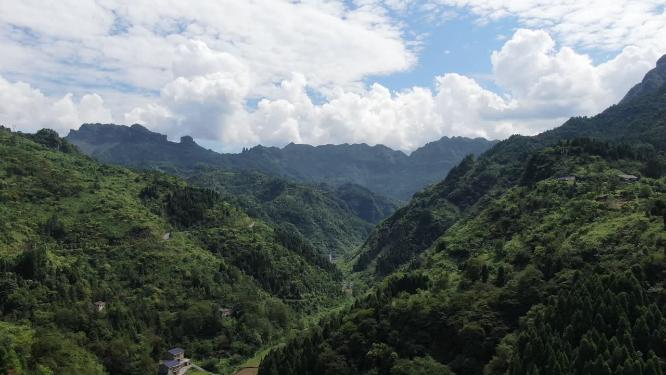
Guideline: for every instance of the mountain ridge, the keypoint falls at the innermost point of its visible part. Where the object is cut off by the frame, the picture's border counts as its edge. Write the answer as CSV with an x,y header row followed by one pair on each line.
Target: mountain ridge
x,y
544,255
640,122
652,81
378,168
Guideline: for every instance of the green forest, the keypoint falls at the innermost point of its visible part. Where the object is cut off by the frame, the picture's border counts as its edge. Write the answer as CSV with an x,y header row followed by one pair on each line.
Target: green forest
x,y
542,255
334,219
166,258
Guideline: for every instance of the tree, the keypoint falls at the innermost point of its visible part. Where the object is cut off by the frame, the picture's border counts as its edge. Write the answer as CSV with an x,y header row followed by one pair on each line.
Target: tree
x,y
419,366
500,279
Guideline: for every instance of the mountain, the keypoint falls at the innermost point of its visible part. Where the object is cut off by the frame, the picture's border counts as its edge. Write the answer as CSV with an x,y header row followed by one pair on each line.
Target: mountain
x,y
544,255
377,168
639,123
174,265
652,82
139,147
336,220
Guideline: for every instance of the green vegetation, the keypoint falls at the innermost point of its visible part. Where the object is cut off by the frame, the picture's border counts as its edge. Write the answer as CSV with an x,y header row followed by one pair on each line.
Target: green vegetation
x,y
461,301
167,258
542,256
610,324
334,220
638,124
378,168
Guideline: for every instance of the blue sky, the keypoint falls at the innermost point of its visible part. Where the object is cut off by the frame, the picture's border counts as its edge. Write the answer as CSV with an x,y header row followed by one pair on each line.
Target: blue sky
x,y
402,73
459,45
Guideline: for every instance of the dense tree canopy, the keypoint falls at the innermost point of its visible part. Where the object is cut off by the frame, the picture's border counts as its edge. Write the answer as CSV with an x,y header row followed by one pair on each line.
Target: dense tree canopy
x,y
169,260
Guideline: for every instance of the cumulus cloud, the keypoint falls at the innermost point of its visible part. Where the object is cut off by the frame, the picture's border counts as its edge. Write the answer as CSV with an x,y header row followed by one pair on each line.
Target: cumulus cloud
x,y
138,44
243,73
28,109
210,88
550,82
542,86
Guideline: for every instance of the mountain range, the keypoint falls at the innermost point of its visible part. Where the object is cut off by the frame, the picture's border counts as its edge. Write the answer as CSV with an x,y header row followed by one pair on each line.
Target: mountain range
x,y
544,255
540,255
378,168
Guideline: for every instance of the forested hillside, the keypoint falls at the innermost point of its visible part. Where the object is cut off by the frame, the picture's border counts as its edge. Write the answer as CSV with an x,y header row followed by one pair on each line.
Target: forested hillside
x,y
545,255
461,303
173,265
640,122
335,219
377,168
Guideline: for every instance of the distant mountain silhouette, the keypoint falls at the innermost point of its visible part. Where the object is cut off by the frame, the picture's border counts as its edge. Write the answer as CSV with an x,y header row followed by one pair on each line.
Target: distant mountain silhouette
x,y
378,168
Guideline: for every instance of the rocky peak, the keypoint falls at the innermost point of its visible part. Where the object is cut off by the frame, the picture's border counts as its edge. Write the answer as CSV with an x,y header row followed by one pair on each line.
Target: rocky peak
x,y
653,81
187,140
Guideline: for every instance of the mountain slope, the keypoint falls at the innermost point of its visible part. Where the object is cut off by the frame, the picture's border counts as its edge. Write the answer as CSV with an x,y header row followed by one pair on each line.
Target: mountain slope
x,y
335,220
167,259
378,168
652,82
544,255
458,306
640,122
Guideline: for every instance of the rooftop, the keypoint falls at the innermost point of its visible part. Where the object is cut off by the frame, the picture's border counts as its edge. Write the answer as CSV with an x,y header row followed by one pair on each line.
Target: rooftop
x,y
171,363
176,351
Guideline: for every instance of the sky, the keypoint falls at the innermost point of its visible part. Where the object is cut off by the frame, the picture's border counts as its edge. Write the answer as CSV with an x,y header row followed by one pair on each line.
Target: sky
x,y
237,73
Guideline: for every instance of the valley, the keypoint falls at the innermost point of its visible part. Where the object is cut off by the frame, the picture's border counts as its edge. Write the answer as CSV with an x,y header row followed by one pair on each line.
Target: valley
x,y
122,252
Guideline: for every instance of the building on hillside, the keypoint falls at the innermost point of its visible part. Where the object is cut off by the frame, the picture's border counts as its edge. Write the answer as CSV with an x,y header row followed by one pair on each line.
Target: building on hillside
x,y
628,177
177,353
177,364
567,178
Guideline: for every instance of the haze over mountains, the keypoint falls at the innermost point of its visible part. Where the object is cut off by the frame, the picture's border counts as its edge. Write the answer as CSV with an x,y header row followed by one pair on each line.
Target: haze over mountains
x,y
378,168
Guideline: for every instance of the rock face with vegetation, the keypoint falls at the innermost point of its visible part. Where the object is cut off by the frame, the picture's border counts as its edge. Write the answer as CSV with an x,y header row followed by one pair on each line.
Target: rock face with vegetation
x,y
377,168
544,255
174,265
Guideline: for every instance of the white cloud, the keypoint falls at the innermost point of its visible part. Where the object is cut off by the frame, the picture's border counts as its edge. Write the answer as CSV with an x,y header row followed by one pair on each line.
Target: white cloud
x,y
543,84
595,24
28,109
138,43
198,68
550,82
